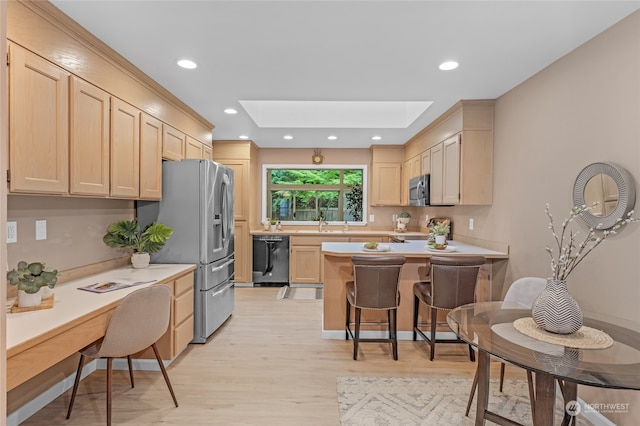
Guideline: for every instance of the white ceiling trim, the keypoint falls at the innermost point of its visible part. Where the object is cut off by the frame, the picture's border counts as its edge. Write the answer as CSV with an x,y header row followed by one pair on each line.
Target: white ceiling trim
x,y
335,114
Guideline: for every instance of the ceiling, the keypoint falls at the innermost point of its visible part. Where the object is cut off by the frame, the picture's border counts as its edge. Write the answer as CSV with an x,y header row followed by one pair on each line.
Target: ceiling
x,y
345,52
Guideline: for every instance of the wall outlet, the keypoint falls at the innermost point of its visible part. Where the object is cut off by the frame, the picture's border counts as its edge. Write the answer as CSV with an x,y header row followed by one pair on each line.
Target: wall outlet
x,y
372,218
426,218
41,229
12,232
471,224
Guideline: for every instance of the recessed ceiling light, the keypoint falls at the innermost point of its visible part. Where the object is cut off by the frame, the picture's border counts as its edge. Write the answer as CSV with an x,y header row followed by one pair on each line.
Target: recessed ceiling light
x,y
448,66
243,137
376,138
332,138
288,137
230,111
187,63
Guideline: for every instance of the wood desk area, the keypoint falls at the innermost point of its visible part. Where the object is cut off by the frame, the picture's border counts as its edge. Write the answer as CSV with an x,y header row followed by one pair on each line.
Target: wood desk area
x,y
37,340
338,270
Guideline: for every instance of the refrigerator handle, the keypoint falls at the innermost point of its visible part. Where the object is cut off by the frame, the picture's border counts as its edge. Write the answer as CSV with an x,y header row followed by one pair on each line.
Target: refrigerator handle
x,y
226,220
224,265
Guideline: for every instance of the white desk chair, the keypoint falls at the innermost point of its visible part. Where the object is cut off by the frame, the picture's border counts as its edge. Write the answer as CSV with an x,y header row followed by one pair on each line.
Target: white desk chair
x,y
523,292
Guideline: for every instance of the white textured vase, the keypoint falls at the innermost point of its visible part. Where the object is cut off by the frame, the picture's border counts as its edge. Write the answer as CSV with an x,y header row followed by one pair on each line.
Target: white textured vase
x,y
555,310
46,292
28,300
140,260
441,239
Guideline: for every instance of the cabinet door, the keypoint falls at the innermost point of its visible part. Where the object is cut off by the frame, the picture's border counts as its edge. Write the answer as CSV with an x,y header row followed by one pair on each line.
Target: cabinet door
x,y
150,158
125,150
451,170
89,142
416,166
240,187
436,175
242,255
207,152
305,264
386,184
425,159
38,124
173,144
194,148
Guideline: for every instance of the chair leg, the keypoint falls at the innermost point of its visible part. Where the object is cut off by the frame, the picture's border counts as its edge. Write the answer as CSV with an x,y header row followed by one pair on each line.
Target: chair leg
x,y
109,377
392,332
130,370
472,393
472,354
346,323
416,308
501,375
356,336
164,373
432,343
75,385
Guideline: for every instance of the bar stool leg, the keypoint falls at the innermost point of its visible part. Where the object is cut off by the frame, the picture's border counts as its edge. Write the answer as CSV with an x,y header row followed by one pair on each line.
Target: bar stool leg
x,y
346,324
416,307
392,332
356,337
432,343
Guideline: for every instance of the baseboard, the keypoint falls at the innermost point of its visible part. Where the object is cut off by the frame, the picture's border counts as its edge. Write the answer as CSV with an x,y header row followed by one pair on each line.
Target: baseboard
x,y
45,398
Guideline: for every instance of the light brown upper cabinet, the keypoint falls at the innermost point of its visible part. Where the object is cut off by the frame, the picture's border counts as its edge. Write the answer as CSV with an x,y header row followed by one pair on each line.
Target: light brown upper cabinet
x,y
386,175
38,123
150,158
89,139
425,159
451,170
437,176
173,144
125,150
207,152
194,148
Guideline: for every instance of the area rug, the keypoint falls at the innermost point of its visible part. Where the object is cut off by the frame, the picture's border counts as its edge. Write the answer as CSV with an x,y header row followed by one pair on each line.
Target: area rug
x,y
426,401
300,293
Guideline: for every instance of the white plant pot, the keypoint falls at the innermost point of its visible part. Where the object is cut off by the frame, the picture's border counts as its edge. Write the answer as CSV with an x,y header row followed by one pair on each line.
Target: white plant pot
x,y
46,292
404,220
140,260
441,239
272,227
26,300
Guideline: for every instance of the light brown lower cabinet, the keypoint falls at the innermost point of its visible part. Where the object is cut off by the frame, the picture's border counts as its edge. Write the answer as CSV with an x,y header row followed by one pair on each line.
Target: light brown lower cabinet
x,y
180,331
305,260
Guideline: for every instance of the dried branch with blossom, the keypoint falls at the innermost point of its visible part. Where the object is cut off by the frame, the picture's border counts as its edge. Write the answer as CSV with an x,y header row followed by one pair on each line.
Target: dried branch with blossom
x,y
569,252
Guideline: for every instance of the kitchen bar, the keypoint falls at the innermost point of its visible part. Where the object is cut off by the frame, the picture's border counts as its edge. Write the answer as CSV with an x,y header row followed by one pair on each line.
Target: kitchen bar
x,y
337,270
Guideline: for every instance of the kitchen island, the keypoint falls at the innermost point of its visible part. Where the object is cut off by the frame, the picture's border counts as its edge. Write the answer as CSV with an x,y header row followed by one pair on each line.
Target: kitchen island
x,y
337,269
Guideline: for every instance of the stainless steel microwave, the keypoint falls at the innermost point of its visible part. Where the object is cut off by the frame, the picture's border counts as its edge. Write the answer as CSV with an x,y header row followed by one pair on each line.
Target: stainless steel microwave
x,y
419,190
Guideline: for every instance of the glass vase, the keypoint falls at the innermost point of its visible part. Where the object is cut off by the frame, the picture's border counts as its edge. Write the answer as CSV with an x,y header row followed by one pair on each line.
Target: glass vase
x,y
555,310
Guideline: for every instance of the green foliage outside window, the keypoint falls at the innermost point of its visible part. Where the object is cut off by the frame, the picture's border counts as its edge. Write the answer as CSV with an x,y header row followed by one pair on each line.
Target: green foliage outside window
x,y
310,194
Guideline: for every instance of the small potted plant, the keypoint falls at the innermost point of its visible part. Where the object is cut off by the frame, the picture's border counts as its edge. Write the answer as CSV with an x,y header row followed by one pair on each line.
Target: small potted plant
x,y
404,217
30,279
440,230
273,223
126,234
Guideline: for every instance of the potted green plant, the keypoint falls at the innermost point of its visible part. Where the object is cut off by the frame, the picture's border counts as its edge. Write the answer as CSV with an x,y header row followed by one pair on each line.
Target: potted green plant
x,y
404,217
440,230
30,278
126,234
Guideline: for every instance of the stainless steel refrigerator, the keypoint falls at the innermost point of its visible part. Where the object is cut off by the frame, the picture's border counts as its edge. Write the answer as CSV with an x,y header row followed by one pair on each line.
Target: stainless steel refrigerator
x,y
197,202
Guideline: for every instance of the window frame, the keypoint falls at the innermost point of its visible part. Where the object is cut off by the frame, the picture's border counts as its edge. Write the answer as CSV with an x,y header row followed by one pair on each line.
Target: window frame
x,y
365,190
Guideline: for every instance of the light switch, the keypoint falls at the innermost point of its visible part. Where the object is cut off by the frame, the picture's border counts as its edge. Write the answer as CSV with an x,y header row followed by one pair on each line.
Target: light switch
x,y
41,229
471,224
12,232
372,218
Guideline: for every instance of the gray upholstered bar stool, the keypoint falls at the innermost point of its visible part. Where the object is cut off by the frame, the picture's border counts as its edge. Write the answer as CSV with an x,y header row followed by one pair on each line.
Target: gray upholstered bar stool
x,y
375,286
453,284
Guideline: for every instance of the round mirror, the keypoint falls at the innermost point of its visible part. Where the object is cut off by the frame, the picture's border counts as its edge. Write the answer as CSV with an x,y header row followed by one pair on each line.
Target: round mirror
x,y
610,188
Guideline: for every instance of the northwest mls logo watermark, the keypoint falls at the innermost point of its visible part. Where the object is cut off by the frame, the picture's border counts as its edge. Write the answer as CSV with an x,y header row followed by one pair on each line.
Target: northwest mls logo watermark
x,y
573,408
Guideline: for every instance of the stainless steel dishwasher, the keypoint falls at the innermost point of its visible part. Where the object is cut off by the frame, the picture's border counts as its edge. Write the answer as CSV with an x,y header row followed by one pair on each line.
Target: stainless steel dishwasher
x,y
271,260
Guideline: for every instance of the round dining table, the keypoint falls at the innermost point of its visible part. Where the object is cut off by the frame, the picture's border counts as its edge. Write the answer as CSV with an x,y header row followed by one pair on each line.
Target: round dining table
x,y
489,327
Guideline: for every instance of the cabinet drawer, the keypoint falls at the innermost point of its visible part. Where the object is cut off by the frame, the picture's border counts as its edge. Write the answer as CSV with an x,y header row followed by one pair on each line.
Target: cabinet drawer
x,y
183,335
183,284
183,307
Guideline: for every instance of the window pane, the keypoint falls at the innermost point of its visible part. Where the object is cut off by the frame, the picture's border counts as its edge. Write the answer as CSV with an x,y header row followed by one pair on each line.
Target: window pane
x,y
328,201
305,177
281,205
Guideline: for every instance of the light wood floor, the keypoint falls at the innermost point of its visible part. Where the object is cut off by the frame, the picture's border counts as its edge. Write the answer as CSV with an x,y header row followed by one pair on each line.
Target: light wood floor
x,y
267,365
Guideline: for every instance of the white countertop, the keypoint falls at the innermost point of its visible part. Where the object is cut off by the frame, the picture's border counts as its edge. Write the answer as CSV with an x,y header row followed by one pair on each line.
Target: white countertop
x,y
412,248
71,303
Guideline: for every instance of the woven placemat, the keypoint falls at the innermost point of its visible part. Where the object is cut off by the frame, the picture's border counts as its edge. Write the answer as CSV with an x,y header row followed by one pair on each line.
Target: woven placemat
x,y
584,338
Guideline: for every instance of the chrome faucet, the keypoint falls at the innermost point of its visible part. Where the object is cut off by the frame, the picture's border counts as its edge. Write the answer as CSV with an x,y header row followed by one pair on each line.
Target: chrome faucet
x,y
320,223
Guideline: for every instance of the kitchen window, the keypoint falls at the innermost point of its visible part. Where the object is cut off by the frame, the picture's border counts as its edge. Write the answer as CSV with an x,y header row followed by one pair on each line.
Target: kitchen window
x,y
299,194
